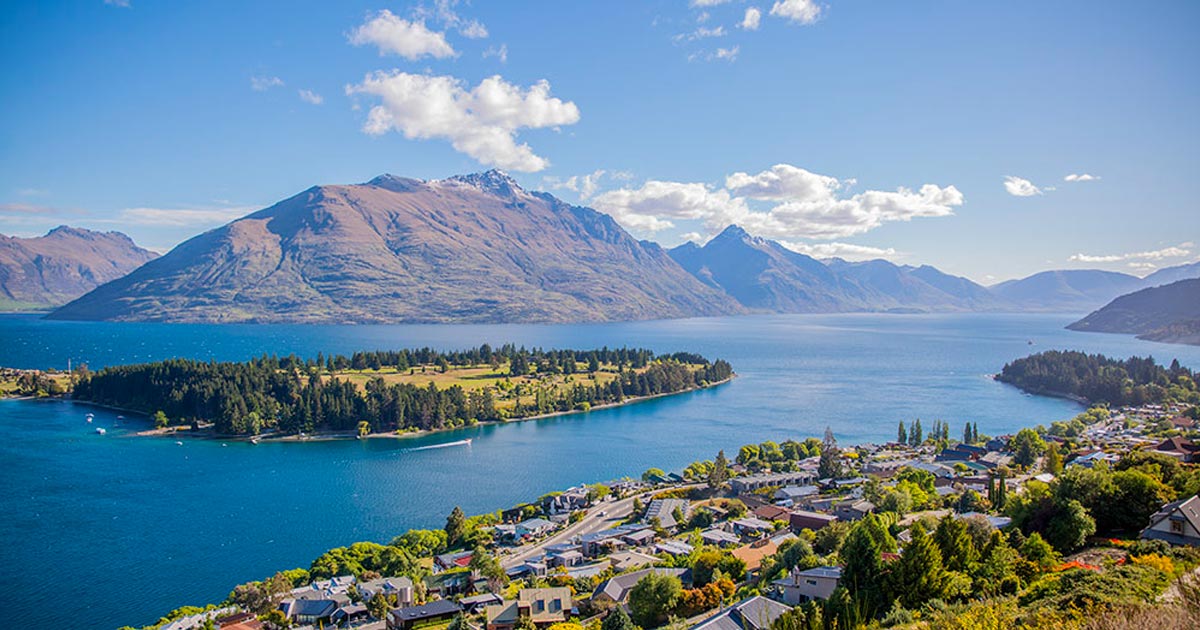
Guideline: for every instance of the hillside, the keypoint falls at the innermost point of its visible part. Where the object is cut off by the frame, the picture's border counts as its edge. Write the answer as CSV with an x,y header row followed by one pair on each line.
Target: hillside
x,y
1169,313
474,248
766,276
51,270
1068,290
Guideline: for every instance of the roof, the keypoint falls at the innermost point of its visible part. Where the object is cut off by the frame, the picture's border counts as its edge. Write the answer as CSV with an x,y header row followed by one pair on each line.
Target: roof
x,y
754,613
664,510
719,535
751,522
754,553
825,572
617,587
311,608
1187,509
535,523
557,602
432,609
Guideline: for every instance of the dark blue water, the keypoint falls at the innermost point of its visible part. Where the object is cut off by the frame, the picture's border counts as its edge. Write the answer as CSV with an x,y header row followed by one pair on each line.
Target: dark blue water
x,y
126,528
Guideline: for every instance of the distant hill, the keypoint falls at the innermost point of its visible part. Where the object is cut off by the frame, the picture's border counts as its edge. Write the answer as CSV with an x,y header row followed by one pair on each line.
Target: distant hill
x,y
46,271
764,275
1169,313
1172,274
1070,290
472,248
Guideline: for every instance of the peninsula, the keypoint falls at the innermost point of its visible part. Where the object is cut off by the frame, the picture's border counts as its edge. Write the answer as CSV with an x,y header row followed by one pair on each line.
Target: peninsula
x,y
389,392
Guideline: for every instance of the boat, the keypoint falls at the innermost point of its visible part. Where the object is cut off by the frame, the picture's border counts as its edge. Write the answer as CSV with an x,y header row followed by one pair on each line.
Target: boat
x,y
178,443
466,442
101,430
255,440
89,418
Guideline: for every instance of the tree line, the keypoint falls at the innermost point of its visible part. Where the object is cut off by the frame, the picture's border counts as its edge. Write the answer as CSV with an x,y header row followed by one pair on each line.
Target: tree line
x,y
1099,379
292,395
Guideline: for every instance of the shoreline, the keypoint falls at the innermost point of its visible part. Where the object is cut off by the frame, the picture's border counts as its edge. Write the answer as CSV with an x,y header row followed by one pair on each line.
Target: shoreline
x,y
325,436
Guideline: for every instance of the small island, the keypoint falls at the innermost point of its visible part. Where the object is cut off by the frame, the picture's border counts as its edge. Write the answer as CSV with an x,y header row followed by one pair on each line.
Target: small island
x,y
388,393
1097,379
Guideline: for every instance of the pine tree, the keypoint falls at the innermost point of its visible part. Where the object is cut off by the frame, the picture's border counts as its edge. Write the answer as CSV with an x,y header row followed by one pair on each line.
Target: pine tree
x,y
967,434
1054,461
958,550
863,569
617,619
829,467
720,471
915,434
901,434
919,576
456,526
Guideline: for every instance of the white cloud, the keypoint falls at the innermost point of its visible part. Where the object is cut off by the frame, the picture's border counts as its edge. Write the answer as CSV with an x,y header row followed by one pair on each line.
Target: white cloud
x,y
397,36
703,17
473,30
845,251
181,217
752,18
701,32
1183,250
707,3
584,185
729,54
443,12
797,11
124,4
651,206
311,97
806,204
32,192
262,83
1081,177
1020,187
694,237
481,122
500,52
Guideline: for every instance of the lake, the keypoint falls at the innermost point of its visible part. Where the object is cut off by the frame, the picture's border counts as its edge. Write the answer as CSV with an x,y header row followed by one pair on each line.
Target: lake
x,y
109,530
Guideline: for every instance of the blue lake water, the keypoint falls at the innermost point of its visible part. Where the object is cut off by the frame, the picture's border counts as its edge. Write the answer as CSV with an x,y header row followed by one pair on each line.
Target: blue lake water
x,y
101,531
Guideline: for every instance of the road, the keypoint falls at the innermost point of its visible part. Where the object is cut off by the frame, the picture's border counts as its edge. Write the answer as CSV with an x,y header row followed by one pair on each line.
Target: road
x,y
615,512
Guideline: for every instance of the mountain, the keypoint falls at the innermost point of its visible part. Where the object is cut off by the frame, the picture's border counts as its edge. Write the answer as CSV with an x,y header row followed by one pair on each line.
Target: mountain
x,y
1168,313
763,275
472,248
1172,274
1066,290
51,270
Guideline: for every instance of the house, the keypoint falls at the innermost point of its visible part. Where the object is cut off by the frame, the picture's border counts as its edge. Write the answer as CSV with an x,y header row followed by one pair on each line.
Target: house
x,y
750,483
442,610
1180,448
997,522
719,538
752,554
854,510
564,559
543,606
400,587
1094,457
448,583
996,459
476,603
1177,522
664,510
803,519
803,586
754,613
626,560
349,614
452,560
772,512
311,611
607,541
534,527
590,570
639,538
751,526
795,494
615,590
673,548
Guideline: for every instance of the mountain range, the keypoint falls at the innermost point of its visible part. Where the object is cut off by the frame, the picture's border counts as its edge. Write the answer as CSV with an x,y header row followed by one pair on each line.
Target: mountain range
x,y
51,270
1169,313
472,248
479,248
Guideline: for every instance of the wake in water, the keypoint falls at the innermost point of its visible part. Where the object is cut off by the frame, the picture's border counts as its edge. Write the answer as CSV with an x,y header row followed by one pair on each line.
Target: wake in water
x,y
466,442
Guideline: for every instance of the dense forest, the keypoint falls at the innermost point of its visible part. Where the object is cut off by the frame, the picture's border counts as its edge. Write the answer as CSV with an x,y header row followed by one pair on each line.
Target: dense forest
x,y
1099,379
293,395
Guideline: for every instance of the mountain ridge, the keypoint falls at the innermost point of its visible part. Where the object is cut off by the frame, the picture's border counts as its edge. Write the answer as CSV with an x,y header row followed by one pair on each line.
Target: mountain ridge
x,y
46,271
1168,313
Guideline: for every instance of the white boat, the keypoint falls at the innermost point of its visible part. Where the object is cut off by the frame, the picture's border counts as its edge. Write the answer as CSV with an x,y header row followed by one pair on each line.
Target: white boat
x,y
101,430
89,418
178,443
255,440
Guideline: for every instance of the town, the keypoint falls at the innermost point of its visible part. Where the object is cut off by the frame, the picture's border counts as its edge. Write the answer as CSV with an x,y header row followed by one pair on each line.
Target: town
x,y
1098,512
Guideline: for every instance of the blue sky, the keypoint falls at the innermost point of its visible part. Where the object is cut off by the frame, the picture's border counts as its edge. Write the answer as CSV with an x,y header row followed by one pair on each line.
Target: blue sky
x,y
924,132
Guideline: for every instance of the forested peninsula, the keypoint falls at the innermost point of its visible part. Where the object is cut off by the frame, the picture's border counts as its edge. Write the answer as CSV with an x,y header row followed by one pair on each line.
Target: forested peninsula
x,y
1095,378
385,392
